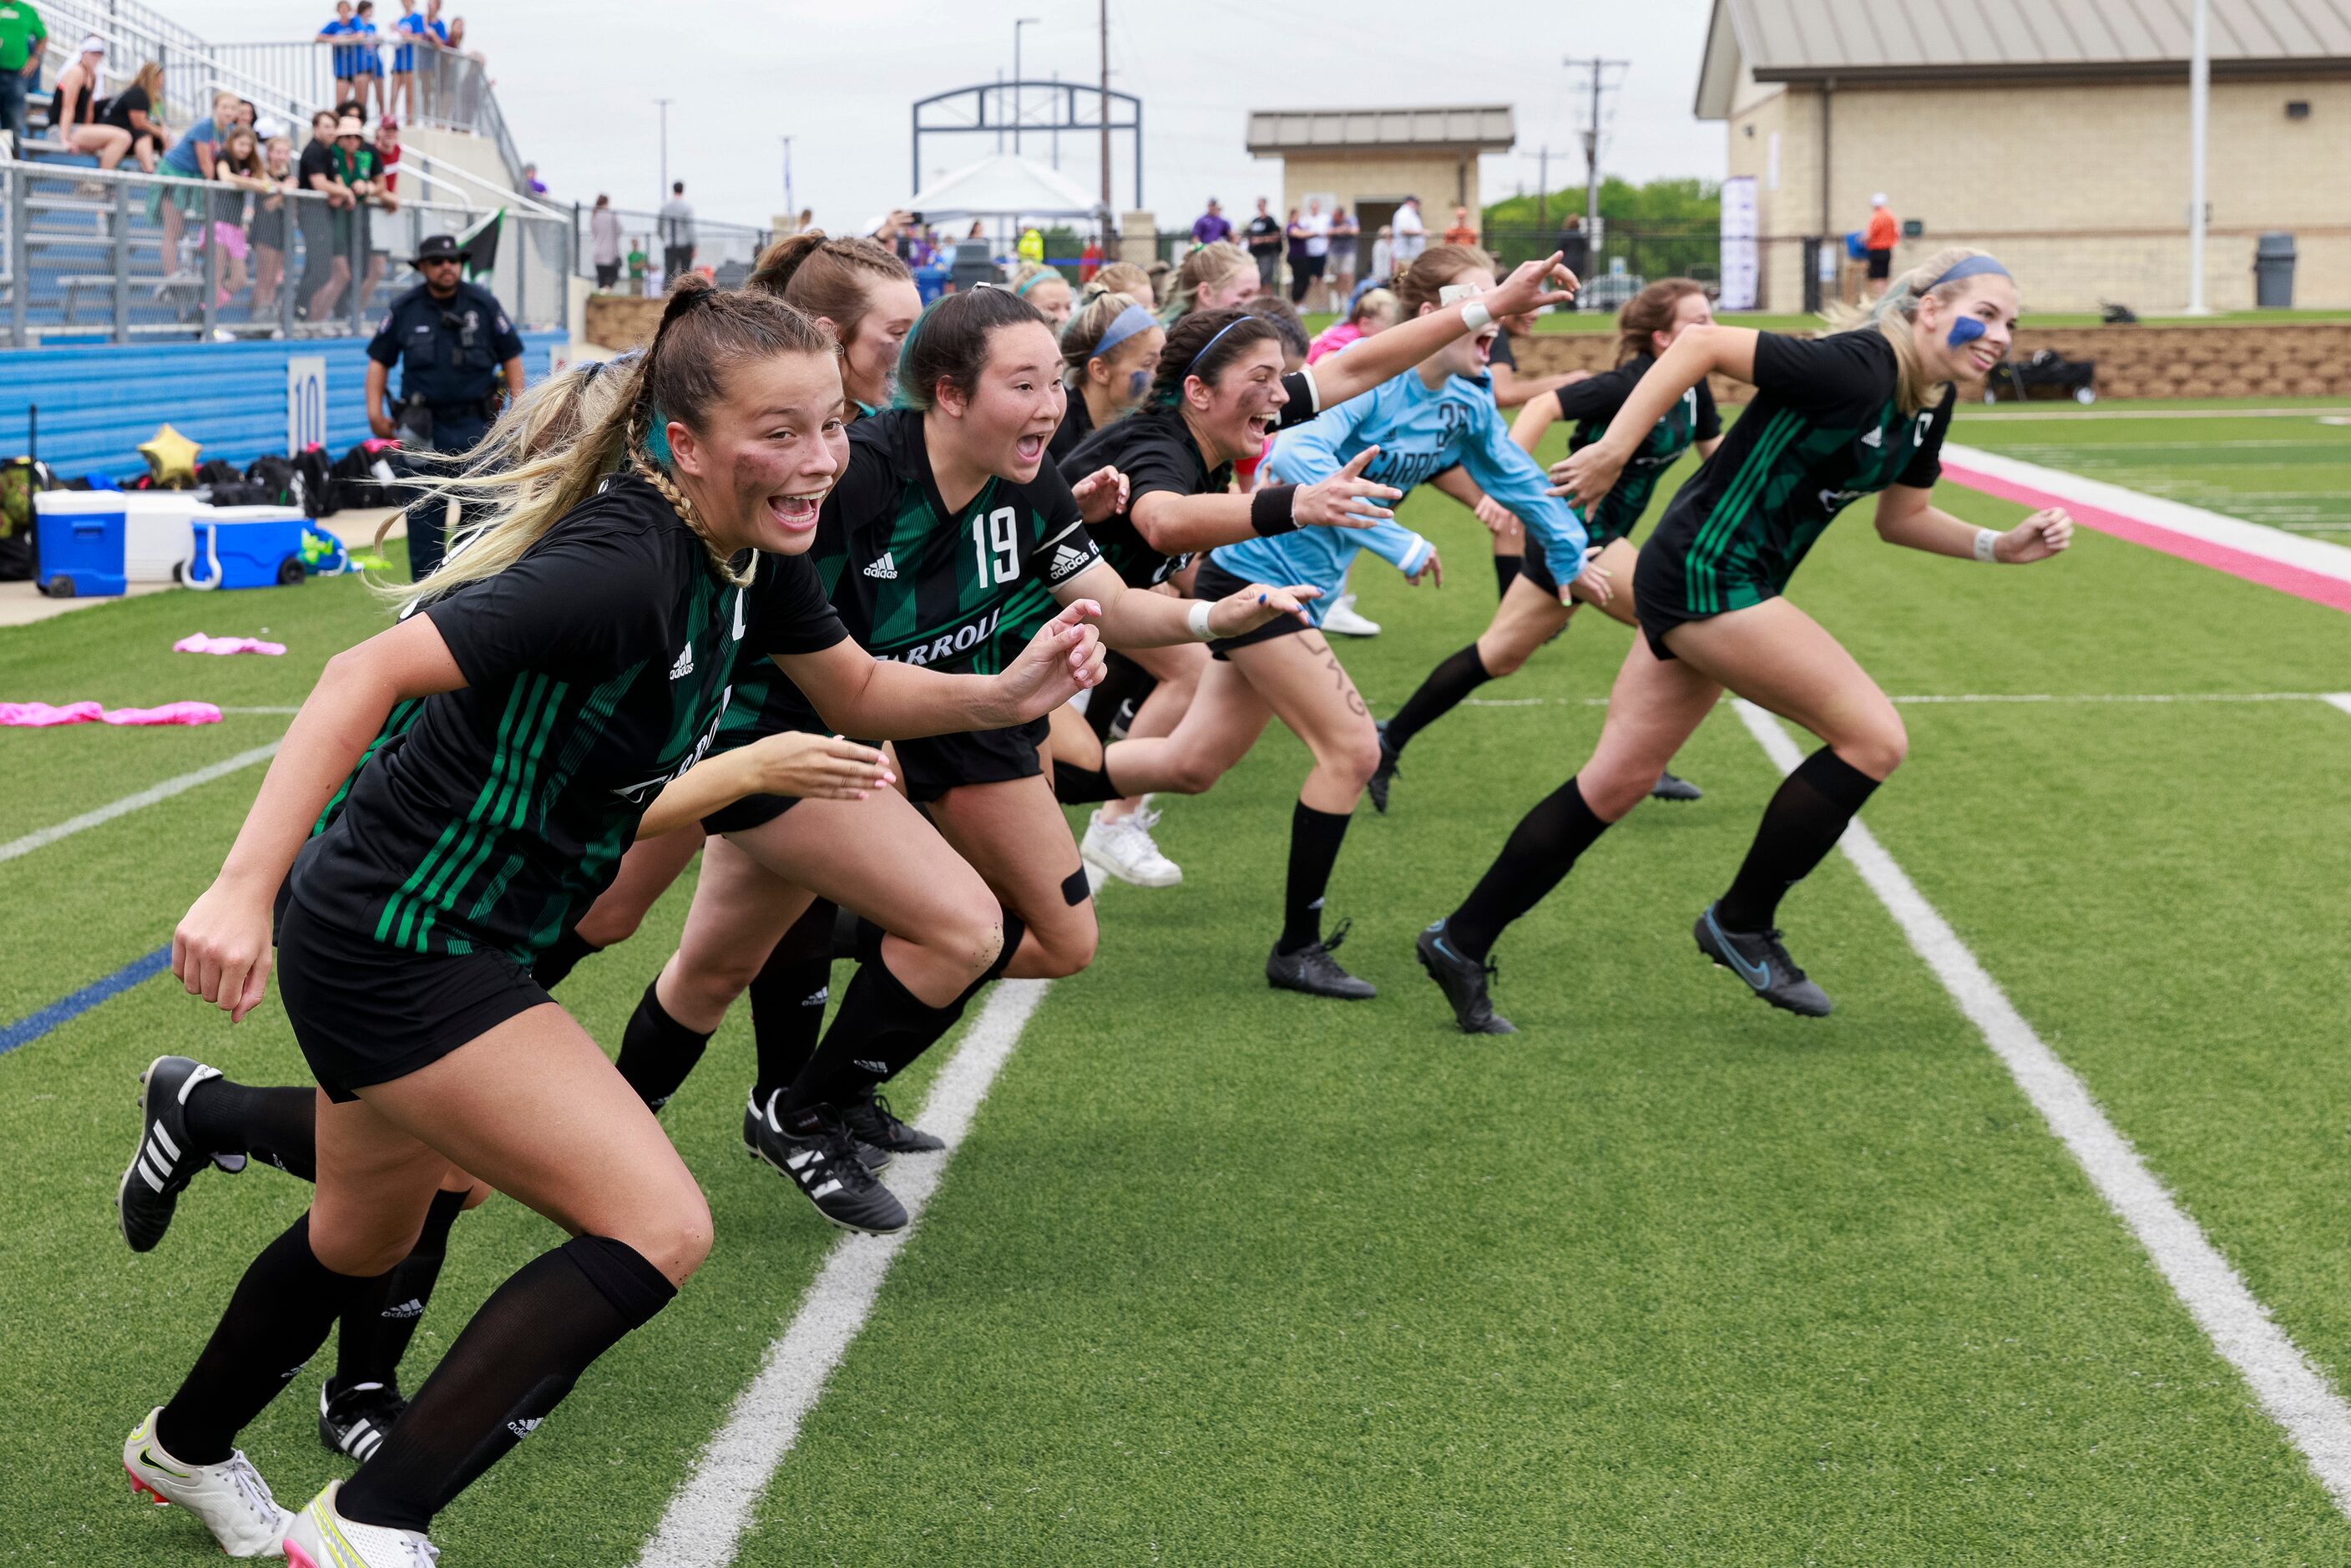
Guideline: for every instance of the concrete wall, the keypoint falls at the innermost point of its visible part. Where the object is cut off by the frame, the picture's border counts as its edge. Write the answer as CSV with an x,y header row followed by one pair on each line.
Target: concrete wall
x,y
2082,187
622,321
1441,181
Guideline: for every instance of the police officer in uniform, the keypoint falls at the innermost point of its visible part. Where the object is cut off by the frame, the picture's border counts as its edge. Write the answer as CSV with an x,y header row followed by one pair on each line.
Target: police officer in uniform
x,y
453,342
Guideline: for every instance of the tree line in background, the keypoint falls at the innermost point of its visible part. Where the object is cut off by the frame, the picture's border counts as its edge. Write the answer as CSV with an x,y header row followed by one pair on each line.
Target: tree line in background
x,y
1661,204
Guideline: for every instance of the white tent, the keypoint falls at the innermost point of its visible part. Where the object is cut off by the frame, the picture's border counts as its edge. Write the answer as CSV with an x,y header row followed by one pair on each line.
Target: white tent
x,y
1003,186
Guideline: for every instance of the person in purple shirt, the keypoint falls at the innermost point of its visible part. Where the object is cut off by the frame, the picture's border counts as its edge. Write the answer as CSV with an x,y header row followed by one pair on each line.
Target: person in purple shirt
x,y
1210,226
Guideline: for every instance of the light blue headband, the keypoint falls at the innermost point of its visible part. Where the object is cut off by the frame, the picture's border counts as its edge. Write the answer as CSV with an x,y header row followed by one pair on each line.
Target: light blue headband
x,y
1133,319
1034,279
1973,266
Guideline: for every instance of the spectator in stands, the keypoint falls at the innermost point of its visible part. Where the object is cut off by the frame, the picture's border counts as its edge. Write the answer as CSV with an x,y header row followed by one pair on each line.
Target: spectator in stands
x,y
382,174
1877,239
238,164
134,111
343,54
387,153
73,108
1295,231
974,233
1210,226
369,78
677,234
604,242
189,161
431,63
1090,259
638,261
1411,233
1264,232
1384,256
267,232
326,269
23,37
467,79
1317,224
409,26
1345,235
532,185
1461,231
361,173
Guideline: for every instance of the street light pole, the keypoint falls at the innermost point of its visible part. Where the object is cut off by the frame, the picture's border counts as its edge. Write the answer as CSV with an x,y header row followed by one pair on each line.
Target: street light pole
x,y
791,207
2200,98
1018,24
664,103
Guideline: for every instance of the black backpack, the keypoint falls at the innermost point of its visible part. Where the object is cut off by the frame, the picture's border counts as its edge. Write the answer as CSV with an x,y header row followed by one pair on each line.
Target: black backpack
x,y
217,471
279,479
316,474
364,479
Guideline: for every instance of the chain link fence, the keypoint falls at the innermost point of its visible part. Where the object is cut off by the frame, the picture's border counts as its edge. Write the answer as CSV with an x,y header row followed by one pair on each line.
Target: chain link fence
x,y
120,257
729,250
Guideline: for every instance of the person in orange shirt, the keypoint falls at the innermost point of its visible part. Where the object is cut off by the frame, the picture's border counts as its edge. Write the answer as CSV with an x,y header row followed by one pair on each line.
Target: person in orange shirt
x,y
1461,232
1877,239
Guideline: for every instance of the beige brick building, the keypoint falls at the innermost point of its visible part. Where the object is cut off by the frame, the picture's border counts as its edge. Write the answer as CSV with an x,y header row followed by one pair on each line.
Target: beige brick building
x,y
2054,134
1369,161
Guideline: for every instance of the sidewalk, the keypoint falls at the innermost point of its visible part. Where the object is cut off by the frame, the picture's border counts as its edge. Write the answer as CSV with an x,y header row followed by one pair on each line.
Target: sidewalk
x,y
22,604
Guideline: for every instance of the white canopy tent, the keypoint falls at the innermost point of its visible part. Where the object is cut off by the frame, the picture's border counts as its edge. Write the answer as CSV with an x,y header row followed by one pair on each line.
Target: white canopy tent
x,y
1003,186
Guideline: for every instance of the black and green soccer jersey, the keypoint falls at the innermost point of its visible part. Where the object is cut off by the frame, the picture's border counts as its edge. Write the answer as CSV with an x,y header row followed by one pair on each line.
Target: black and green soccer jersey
x,y
596,667
961,590
1594,402
1825,430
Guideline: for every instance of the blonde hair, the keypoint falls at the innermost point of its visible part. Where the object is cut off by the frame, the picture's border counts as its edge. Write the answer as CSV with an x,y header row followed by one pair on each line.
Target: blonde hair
x,y
1121,277
1380,301
1423,282
1082,333
1029,273
1896,309
545,455
1209,264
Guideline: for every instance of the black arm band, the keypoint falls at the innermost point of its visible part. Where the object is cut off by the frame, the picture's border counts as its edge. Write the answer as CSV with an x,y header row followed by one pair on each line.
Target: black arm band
x,y
1270,508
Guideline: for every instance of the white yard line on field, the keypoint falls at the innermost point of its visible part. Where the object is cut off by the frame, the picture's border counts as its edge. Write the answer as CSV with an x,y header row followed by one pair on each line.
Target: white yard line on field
x,y
2296,1395
129,803
708,1516
2340,699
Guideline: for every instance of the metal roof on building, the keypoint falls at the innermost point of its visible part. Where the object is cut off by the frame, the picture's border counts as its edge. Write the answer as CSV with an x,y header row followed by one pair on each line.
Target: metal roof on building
x,y
1865,40
1274,131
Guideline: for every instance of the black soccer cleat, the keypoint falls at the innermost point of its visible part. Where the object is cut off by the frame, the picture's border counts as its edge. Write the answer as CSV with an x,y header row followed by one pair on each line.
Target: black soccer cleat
x,y
876,1159
166,1159
1672,787
872,1123
353,1421
1757,958
1384,774
1312,970
823,1160
1463,981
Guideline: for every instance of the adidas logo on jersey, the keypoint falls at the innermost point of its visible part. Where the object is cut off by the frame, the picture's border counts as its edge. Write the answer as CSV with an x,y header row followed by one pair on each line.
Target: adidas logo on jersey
x,y
886,569
411,1308
526,1426
1067,560
1875,438
684,665
823,995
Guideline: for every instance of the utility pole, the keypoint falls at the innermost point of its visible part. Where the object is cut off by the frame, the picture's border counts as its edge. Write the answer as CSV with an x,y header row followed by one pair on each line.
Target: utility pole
x,y
1102,107
1601,85
1018,23
664,103
791,208
2200,98
1542,190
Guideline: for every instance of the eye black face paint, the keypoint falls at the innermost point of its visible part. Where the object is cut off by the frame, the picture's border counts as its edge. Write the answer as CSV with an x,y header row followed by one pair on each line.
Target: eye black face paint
x,y
1075,892
1965,330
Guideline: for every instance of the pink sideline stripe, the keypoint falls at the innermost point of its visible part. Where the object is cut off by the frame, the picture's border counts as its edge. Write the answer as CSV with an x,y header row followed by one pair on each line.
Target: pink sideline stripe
x,y
2316,586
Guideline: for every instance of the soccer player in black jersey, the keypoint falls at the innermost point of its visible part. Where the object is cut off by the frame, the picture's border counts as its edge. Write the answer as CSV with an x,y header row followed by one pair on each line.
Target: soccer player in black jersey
x,y
454,789
1110,349
1532,615
1858,413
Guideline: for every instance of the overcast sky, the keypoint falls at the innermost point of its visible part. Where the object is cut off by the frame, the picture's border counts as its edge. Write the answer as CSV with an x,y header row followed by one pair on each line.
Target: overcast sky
x,y
577,82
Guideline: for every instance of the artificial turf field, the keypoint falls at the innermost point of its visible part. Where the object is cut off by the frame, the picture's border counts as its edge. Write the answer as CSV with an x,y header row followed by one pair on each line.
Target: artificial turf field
x,y
1223,1275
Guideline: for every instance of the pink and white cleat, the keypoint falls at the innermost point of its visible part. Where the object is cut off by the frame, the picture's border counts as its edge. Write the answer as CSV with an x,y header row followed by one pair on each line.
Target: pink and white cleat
x,y
319,1537
230,1498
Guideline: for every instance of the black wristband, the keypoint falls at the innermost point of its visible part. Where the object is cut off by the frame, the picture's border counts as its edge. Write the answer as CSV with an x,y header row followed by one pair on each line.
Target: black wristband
x,y
1270,508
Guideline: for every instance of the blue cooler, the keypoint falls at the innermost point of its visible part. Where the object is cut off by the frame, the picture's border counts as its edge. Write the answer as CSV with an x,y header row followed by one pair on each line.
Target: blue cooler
x,y
80,536
246,547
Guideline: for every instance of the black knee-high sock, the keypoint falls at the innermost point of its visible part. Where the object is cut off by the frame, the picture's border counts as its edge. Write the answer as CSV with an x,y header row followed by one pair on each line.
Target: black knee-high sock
x,y
657,1052
275,1321
1801,826
1122,681
1076,785
1506,571
1540,852
882,1027
378,1325
1447,685
273,1124
512,1365
788,996
1315,839
562,957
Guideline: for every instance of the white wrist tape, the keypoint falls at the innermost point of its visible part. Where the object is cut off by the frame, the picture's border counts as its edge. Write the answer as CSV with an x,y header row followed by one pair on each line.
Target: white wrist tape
x,y
1475,317
1987,541
1196,618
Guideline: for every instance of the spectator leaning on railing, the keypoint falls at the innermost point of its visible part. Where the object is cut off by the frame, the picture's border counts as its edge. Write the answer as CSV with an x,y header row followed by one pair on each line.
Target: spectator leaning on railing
x,y
604,242
73,108
410,27
23,37
676,234
326,269
238,164
268,231
189,159
370,80
367,172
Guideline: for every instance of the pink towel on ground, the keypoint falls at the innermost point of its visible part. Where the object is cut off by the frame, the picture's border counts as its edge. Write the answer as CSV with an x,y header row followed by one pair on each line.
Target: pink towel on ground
x,y
197,642
41,716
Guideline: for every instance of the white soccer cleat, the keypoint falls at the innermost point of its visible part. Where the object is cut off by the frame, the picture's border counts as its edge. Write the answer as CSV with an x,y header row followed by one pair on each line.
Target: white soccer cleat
x,y
232,1499
1346,621
1125,849
321,1538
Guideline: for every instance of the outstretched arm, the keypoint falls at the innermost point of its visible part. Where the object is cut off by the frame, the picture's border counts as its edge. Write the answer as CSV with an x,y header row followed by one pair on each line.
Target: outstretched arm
x,y
882,699
1370,361
1134,619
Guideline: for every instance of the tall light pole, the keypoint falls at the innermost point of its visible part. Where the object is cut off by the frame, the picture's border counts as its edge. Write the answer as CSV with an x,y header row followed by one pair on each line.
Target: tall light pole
x,y
2199,97
664,103
791,208
1102,107
1018,24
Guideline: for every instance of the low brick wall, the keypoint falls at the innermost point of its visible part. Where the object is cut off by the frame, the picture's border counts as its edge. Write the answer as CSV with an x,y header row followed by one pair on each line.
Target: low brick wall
x,y
623,320
2288,360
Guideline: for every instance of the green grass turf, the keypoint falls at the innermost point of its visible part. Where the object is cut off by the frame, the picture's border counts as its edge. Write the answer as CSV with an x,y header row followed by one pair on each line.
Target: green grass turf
x,y
2290,473
1224,1276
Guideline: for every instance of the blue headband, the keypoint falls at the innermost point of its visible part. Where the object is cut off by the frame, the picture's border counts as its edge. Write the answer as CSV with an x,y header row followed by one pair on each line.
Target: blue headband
x,y
1034,279
1133,319
1973,266
1212,343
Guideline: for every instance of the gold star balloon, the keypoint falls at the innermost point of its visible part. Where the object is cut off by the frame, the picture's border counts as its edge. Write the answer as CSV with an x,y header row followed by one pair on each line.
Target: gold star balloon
x,y
171,459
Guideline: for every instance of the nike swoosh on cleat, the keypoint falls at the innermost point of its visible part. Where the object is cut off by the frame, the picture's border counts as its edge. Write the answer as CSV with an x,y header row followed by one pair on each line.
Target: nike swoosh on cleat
x,y
147,1457
1761,977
